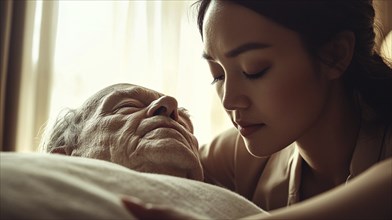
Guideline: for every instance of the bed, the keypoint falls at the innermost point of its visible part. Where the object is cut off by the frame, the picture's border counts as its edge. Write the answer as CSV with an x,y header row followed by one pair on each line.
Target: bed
x,y
51,186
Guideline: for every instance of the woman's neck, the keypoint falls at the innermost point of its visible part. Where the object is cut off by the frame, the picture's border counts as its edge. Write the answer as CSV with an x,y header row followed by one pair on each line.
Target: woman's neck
x,y
328,146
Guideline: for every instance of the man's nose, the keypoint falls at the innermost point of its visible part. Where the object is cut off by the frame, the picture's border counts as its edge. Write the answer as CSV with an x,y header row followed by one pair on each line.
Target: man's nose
x,y
165,106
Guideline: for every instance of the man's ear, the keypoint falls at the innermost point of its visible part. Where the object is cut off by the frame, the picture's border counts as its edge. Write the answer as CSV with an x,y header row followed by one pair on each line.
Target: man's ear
x,y
66,150
338,53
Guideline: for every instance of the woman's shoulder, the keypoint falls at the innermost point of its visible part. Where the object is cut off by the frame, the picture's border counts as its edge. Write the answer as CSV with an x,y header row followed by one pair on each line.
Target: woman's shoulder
x,y
226,158
227,162
228,146
217,158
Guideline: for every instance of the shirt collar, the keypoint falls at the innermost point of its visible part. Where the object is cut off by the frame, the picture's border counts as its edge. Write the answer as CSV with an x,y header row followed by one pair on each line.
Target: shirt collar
x,y
368,148
295,164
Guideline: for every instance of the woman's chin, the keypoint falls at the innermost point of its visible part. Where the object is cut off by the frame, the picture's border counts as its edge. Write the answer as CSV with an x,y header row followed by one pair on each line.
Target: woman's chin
x,y
260,152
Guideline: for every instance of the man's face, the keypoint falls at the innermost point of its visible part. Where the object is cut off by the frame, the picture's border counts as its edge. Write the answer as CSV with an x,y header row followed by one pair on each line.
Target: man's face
x,y
143,130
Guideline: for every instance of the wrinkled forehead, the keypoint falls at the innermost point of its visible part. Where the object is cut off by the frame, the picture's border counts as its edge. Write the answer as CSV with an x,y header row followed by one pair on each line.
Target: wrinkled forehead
x,y
119,91
127,90
140,93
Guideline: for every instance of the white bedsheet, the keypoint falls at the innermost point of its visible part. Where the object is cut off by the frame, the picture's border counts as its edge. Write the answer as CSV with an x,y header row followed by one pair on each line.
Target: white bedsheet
x,y
48,186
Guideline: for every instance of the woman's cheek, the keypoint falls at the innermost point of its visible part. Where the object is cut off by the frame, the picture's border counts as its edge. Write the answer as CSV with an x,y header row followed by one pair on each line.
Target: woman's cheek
x,y
282,97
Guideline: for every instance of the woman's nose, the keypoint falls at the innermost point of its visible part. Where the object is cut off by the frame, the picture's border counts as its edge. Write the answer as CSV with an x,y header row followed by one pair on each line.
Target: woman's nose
x,y
233,96
165,106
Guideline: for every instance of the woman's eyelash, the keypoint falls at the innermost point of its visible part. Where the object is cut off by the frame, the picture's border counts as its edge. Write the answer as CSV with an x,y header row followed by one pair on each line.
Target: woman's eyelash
x,y
216,79
256,75
247,75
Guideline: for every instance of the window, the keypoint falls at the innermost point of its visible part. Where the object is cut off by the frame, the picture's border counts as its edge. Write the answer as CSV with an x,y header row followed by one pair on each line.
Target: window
x,y
155,44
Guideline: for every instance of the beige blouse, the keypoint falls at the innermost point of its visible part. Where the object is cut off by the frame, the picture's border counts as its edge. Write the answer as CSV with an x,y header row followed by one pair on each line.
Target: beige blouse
x,y
274,181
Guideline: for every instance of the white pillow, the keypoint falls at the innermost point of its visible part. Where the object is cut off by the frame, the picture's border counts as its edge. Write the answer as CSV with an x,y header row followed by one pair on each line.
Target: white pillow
x,y
51,186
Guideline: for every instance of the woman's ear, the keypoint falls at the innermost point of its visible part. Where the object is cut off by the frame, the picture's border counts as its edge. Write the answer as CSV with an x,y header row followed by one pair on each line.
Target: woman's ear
x,y
338,53
65,150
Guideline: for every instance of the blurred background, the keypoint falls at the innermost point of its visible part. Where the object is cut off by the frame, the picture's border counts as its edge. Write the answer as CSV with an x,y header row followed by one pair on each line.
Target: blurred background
x,y
55,54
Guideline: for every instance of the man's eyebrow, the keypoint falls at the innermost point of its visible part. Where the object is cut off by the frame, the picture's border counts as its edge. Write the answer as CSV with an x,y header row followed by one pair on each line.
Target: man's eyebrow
x,y
139,93
184,111
115,97
240,49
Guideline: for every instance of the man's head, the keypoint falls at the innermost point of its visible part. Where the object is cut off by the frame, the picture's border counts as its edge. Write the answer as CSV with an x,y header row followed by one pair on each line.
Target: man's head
x,y
133,126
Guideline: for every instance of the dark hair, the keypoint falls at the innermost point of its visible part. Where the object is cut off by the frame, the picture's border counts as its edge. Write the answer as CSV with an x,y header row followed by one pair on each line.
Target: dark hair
x,y
317,22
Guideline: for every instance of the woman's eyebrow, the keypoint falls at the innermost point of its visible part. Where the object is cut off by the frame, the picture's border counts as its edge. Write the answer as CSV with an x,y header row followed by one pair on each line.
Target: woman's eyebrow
x,y
239,50
246,47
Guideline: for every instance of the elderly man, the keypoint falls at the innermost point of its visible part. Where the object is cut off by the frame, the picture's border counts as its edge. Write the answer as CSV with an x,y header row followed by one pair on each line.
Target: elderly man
x,y
130,125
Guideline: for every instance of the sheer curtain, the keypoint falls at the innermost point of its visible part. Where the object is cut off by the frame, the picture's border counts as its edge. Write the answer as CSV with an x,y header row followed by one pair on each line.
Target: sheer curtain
x,y
26,67
155,44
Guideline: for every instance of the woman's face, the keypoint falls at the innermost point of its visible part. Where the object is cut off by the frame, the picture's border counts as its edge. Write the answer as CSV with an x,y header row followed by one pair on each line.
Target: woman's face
x,y
265,78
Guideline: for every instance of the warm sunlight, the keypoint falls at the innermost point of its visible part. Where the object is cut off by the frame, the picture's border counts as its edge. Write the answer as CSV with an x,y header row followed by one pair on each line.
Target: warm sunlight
x,y
151,43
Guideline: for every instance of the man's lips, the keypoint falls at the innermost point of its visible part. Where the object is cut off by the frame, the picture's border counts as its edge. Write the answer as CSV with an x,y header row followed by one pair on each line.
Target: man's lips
x,y
165,133
247,129
152,124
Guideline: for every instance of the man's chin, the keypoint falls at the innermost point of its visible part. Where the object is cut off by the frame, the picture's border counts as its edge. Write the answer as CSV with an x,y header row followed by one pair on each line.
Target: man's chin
x,y
167,156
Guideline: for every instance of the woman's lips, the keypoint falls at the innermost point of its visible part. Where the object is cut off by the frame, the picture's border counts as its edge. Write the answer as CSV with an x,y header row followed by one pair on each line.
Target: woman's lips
x,y
249,129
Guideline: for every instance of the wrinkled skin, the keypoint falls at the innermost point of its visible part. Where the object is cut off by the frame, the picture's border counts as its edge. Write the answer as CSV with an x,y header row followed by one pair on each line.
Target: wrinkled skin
x,y
143,130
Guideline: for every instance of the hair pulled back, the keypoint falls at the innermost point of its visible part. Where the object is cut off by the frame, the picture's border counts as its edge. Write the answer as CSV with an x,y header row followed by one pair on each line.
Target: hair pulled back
x,y
317,22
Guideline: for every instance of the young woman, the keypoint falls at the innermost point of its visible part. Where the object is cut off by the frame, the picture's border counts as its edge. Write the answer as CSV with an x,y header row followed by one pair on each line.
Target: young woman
x,y
311,101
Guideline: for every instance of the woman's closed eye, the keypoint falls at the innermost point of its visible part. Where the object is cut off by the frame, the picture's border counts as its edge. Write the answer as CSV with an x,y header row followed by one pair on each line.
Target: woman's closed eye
x,y
256,75
217,79
247,75
217,71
